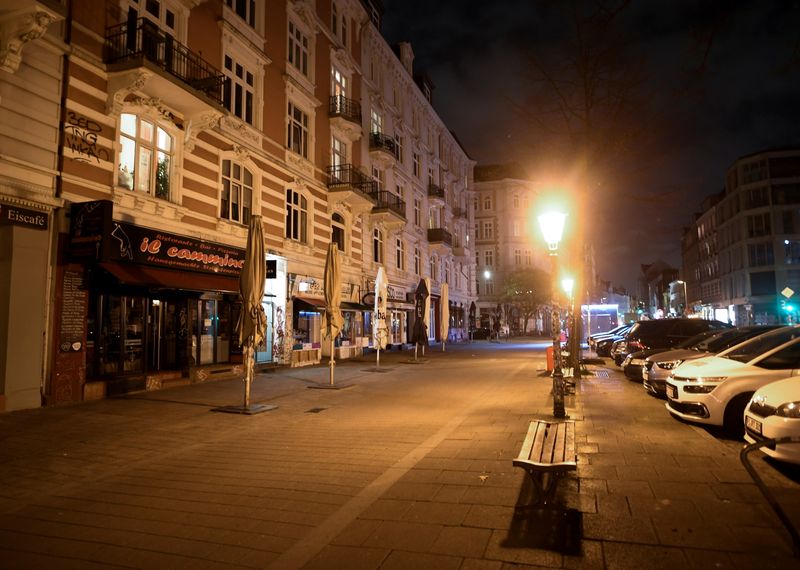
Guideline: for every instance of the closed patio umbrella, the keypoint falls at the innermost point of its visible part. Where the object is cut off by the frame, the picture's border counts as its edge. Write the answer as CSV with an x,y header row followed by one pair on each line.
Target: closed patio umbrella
x,y
427,315
251,327
444,325
333,321
419,334
380,330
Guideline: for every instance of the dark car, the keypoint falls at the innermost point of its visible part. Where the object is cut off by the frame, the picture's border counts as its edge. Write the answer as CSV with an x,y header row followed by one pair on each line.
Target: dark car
x,y
481,333
602,345
594,337
635,363
662,333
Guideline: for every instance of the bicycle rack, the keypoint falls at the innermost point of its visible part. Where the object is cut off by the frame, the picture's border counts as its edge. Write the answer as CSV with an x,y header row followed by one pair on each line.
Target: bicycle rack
x,y
766,492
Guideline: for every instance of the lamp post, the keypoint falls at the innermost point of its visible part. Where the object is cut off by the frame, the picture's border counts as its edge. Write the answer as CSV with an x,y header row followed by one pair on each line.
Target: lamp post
x,y
552,226
685,299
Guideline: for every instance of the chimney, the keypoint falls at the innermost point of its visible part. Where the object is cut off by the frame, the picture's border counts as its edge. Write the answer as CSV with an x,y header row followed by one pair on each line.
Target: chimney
x,y
407,57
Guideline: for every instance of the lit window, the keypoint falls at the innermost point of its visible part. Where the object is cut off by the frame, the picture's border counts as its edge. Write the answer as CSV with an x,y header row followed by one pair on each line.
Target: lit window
x,y
296,216
145,156
237,193
297,131
377,246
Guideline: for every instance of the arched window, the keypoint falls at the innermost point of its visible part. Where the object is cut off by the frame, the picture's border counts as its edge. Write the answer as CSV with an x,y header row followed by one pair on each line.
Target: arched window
x,y
377,246
236,196
338,231
145,156
432,266
296,216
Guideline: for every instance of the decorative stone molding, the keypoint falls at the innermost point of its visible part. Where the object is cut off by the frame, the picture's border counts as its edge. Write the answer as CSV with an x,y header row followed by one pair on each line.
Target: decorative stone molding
x,y
237,128
299,163
305,11
342,60
197,123
20,27
242,153
122,85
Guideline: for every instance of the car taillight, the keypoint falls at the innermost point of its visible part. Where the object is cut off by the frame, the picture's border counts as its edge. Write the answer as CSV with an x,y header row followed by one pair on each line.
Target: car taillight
x,y
636,344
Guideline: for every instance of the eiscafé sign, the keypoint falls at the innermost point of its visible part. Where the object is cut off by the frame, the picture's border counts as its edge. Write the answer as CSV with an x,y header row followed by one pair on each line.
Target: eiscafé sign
x,y
14,216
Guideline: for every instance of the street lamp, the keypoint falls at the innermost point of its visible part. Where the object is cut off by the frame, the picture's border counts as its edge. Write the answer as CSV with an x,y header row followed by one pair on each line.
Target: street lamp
x,y
552,226
685,300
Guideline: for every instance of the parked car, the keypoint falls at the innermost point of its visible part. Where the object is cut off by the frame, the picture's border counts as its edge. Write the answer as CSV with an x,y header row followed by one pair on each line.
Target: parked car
x,y
716,389
593,338
662,333
634,365
659,366
481,333
603,345
774,412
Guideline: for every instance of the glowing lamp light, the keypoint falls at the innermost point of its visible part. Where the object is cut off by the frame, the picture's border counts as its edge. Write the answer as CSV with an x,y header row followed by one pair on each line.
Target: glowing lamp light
x,y
567,284
487,274
552,226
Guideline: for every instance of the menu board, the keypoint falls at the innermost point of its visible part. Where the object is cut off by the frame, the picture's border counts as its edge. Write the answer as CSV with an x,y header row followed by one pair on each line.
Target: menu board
x,y
73,312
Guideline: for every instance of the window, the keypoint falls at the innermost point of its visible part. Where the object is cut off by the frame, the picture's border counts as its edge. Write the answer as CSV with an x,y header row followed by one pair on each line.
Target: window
x,y
758,225
338,84
238,90
237,193
787,217
399,254
791,252
417,261
338,152
488,258
488,230
528,257
516,201
245,9
298,49
517,257
447,273
375,122
517,228
416,164
377,246
432,267
338,231
380,177
399,191
487,203
156,12
145,156
297,131
489,286
756,197
296,216
417,211
760,254
398,142
338,24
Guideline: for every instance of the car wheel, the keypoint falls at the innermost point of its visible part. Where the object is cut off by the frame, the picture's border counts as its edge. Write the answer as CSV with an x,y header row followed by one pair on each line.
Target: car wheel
x,y
734,414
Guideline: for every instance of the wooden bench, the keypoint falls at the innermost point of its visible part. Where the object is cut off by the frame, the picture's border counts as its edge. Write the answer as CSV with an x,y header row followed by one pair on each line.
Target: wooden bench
x,y
547,453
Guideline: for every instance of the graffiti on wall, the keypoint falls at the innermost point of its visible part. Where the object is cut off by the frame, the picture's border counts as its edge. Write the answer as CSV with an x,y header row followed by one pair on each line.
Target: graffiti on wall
x,y
80,136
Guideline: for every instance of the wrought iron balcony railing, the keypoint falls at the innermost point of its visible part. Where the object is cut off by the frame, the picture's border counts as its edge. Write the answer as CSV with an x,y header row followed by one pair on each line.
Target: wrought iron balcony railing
x,y
341,106
440,235
142,39
435,191
344,175
386,200
380,141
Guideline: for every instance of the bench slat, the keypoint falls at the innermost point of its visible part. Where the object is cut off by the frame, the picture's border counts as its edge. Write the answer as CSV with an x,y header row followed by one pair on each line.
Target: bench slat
x,y
538,442
549,450
548,446
560,451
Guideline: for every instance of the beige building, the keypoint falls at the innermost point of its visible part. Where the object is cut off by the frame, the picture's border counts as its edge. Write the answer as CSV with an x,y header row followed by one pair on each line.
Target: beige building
x,y
137,139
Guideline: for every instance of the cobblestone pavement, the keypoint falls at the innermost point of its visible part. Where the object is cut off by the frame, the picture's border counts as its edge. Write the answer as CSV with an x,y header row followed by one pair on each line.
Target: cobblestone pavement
x,y
409,467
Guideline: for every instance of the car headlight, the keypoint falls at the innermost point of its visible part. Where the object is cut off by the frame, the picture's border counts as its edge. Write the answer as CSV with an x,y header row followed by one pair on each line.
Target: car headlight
x,y
704,379
789,410
669,364
699,388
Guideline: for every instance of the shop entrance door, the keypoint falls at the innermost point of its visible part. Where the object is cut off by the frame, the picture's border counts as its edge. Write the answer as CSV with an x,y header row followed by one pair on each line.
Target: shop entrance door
x,y
162,338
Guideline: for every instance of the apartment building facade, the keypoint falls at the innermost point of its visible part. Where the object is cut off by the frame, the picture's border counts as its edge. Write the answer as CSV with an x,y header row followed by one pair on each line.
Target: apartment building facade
x,y
749,242
139,137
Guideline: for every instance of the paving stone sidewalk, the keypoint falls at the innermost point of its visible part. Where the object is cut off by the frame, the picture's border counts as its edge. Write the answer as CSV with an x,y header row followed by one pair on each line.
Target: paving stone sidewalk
x,y
409,467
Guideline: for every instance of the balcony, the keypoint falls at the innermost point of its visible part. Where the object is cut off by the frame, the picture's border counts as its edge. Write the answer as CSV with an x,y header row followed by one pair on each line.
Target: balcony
x,y
389,208
460,213
440,240
382,149
436,193
173,69
348,184
345,115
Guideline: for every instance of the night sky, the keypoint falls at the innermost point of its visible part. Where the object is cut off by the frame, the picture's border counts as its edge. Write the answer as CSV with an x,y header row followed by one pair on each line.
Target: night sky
x,y
679,90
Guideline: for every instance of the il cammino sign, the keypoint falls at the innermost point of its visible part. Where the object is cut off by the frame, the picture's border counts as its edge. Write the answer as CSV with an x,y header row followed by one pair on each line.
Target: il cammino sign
x,y
95,235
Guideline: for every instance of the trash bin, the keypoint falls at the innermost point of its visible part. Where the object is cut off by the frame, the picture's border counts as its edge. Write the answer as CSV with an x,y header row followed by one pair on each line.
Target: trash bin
x,y
550,360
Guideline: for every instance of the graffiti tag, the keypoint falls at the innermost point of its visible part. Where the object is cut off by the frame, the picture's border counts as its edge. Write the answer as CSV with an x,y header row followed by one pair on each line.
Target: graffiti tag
x,y
80,136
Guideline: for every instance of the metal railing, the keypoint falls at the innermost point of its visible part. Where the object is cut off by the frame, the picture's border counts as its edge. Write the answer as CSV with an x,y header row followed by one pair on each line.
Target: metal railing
x,y
341,106
436,235
435,191
348,177
380,141
142,39
385,200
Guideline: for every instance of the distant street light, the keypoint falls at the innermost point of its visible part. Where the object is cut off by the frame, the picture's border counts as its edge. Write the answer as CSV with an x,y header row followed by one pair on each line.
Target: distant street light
x,y
552,226
685,299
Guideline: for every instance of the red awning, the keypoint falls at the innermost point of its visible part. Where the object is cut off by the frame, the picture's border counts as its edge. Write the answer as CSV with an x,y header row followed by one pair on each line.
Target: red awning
x,y
137,274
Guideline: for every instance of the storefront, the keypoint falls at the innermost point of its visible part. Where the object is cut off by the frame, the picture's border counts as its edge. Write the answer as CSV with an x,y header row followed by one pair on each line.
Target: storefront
x,y
160,308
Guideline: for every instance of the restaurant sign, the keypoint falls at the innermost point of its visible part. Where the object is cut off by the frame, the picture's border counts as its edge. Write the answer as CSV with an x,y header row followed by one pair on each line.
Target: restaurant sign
x,y
15,216
120,241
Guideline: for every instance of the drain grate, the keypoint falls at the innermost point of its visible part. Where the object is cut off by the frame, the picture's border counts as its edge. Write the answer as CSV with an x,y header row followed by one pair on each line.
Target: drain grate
x,y
601,373
315,410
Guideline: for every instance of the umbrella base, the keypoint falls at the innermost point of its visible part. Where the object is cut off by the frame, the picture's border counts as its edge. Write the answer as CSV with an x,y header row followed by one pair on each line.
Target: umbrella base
x,y
328,387
375,369
245,410
419,361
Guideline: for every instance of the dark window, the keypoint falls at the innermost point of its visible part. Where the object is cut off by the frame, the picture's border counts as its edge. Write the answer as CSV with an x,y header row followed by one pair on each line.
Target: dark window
x,y
762,283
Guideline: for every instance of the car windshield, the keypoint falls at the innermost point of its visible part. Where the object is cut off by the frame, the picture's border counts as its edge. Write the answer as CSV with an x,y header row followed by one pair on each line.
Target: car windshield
x,y
699,341
748,350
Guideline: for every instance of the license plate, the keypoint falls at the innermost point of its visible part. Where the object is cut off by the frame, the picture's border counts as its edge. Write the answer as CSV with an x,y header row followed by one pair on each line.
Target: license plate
x,y
637,362
672,391
752,424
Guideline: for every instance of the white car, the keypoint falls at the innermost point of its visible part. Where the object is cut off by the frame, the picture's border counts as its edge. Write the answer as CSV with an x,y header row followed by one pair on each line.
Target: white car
x,y
716,389
773,413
